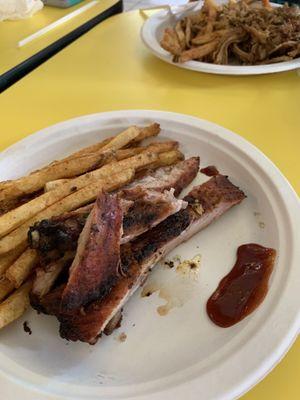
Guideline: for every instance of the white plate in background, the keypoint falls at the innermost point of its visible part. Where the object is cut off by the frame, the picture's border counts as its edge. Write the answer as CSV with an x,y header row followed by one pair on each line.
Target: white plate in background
x,y
152,32
181,355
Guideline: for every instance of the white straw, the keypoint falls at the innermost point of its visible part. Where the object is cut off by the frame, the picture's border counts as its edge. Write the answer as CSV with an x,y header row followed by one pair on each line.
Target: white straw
x,y
57,23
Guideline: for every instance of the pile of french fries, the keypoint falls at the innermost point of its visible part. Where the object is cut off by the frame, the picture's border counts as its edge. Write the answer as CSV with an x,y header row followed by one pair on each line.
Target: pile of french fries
x,y
63,186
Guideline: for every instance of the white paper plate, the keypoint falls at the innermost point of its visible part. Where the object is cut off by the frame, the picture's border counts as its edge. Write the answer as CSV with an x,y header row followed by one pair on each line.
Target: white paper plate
x,y
152,32
181,355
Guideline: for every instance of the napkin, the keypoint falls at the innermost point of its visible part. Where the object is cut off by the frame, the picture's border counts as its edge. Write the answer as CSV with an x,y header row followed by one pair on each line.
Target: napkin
x,y
19,9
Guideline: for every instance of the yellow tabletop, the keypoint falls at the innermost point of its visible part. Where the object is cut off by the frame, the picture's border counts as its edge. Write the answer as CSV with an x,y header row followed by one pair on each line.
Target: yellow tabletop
x,y
11,32
109,69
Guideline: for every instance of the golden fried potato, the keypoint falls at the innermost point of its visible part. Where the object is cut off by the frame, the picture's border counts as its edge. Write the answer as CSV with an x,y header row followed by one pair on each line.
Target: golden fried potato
x,y
15,305
19,271
6,287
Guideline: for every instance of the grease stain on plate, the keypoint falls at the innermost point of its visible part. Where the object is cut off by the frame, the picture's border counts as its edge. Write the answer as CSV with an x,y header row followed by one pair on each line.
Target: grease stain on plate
x,y
175,286
121,338
257,215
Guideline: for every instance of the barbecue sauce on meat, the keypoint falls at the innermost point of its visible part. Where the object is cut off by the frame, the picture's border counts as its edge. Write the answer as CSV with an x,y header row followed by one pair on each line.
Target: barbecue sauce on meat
x,y
210,170
241,291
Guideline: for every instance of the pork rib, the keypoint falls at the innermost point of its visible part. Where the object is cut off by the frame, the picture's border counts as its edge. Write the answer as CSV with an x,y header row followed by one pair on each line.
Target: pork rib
x,y
207,202
96,263
176,176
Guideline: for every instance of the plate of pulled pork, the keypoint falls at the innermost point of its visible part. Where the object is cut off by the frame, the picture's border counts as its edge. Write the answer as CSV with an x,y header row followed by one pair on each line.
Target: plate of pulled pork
x,y
243,37
146,255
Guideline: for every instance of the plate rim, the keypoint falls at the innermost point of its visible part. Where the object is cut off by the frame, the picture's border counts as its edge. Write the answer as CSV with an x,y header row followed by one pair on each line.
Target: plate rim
x,y
235,139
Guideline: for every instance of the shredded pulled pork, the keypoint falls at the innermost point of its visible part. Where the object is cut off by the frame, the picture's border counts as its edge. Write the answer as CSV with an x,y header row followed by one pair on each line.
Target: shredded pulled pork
x,y
246,32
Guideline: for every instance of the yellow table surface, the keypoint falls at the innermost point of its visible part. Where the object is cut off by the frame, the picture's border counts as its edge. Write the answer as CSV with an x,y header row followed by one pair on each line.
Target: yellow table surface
x,y
11,32
109,69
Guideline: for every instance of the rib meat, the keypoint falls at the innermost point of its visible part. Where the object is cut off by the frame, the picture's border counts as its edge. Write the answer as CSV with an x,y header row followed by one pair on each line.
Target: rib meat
x,y
97,260
145,203
53,237
148,208
207,202
176,176
50,303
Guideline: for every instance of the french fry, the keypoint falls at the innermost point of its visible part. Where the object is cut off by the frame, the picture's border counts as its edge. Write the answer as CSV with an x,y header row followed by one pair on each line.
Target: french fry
x,y
7,205
7,259
15,305
137,162
36,181
51,185
19,271
126,153
155,147
146,132
77,199
87,150
122,139
168,158
5,287
45,279
161,147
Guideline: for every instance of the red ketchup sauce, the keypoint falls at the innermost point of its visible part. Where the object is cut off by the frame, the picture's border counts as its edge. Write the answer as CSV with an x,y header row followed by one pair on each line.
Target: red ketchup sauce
x,y
241,291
